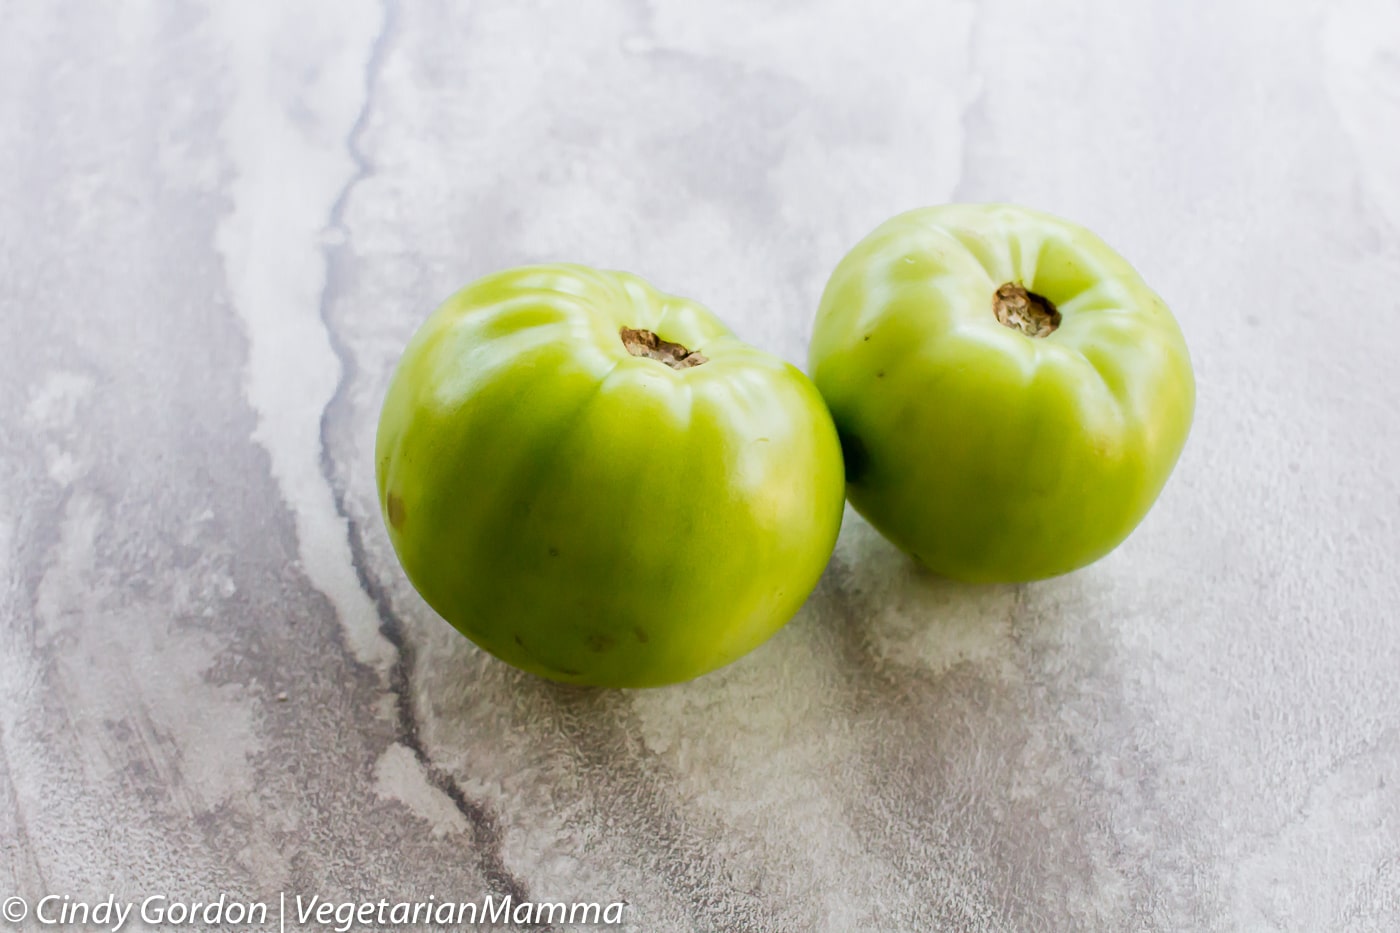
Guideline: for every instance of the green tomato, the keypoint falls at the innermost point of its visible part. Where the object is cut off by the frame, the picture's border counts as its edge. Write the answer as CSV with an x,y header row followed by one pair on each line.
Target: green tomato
x,y
599,483
1010,395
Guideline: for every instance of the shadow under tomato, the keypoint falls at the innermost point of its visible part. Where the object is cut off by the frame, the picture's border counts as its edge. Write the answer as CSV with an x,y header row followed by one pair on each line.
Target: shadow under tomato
x,y
996,723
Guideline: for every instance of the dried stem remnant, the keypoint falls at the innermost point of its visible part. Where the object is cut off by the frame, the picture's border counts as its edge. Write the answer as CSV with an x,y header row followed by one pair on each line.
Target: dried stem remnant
x,y
645,343
1033,315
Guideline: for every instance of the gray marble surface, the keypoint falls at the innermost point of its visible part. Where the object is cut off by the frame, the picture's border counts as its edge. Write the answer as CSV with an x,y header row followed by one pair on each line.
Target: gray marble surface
x,y
219,223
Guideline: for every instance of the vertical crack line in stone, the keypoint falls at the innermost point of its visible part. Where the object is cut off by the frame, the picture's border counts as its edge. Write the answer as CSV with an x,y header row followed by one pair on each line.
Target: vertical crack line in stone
x,y
485,832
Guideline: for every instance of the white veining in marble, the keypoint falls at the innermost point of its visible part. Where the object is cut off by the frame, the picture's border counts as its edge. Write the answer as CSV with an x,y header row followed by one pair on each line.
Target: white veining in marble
x,y
220,222
300,86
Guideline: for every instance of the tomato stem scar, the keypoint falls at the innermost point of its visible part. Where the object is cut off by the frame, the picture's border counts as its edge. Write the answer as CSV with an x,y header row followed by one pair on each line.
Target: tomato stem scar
x,y
1021,309
645,343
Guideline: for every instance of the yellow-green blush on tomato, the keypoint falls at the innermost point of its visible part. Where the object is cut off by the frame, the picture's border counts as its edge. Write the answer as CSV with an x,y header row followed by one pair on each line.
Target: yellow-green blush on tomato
x,y
1010,394
599,483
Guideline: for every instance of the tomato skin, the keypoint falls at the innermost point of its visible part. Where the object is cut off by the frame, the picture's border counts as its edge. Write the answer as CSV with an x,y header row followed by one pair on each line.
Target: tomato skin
x,y
988,454
593,516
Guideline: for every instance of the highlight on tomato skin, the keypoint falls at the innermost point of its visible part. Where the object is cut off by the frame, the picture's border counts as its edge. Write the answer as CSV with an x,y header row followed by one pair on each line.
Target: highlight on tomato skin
x,y
1010,394
599,483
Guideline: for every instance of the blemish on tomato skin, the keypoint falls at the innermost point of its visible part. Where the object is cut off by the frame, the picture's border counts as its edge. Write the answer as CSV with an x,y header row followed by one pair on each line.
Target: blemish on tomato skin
x,y
393,505
551,668
641,635
599,642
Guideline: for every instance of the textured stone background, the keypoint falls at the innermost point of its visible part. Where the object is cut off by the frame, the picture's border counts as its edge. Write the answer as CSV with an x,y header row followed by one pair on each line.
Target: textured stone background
x,y
219,222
